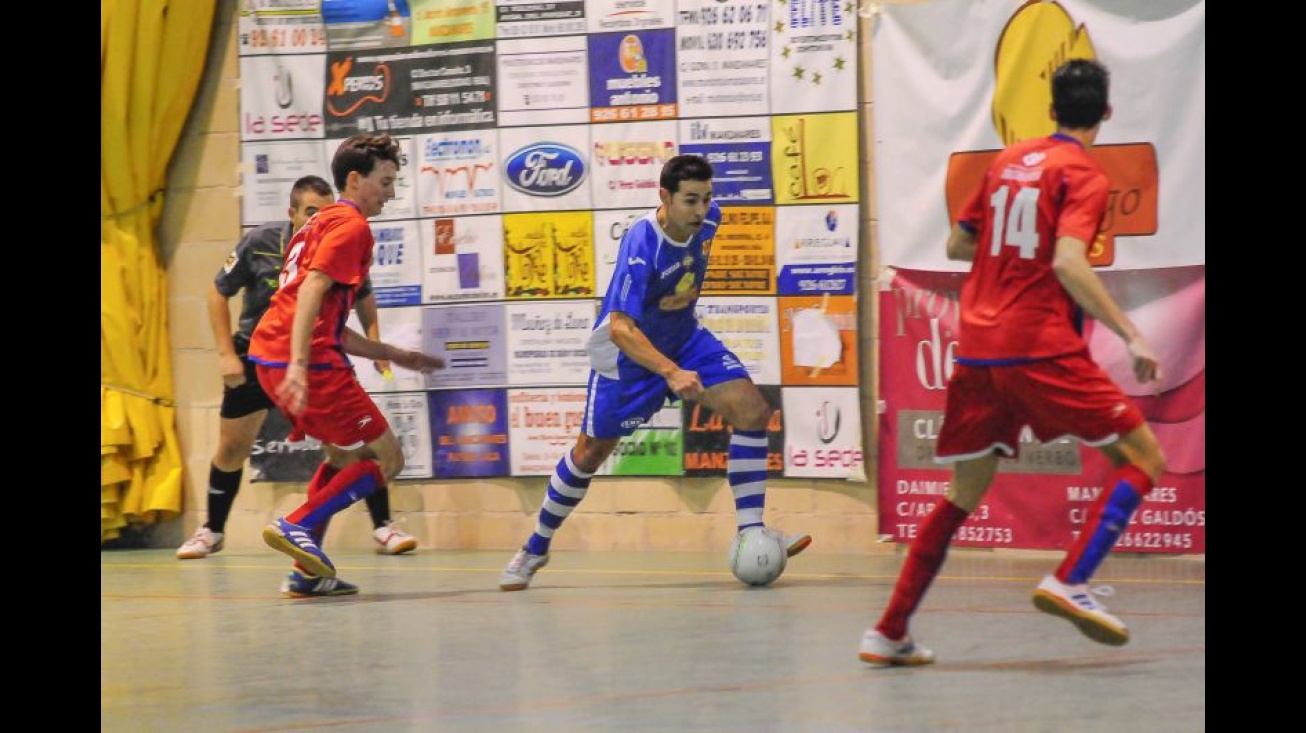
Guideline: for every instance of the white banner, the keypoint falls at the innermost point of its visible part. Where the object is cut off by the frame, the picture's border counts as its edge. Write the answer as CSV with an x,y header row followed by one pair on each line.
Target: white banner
x,y
750,328
546,341
627,161
463,258
289,104
457,173
722,56
823,433
281,26
269,169
396,264
411,423
542,425
401,327
542,81
814,56
940,103
609,227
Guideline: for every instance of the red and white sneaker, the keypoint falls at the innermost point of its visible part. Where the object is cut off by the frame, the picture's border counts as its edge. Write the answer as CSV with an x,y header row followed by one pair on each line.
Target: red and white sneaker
x,y
203,543
392,540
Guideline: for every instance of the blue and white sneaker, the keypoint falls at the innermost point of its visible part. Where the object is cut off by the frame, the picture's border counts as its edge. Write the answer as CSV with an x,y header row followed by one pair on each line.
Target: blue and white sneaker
x,y
297,542
1075,604
299,585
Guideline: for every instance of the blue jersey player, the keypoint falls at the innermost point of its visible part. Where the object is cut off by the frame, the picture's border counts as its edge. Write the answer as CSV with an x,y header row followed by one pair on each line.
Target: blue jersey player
x,y
647,344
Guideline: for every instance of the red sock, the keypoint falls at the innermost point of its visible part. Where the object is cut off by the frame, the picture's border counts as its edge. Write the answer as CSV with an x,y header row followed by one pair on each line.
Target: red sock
x,y
1107,519
924,558
325,473
352,483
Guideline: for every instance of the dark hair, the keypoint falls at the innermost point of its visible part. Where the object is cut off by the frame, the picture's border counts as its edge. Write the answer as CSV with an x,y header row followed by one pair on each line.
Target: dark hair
x,y
316,184
684,168
360,153
1079,93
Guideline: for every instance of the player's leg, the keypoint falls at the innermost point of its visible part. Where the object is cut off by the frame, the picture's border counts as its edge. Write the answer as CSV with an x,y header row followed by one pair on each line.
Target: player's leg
x,y
730,392
357,439
888,643
977,428
1137,463
613,408
567,488
1076,397
390,539
244,408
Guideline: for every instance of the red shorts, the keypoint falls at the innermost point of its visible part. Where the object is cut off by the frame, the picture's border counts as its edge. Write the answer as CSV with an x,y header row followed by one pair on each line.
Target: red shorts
x,y
339,410
1067,396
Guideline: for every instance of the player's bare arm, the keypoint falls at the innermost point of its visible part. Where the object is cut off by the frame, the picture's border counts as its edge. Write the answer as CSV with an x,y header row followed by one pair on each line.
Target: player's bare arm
x,y
233,372
356,344
961,244
1070,263
367,316
633,343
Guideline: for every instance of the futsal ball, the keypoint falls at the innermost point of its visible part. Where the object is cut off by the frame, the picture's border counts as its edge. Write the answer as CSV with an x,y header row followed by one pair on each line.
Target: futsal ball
x,y
758,556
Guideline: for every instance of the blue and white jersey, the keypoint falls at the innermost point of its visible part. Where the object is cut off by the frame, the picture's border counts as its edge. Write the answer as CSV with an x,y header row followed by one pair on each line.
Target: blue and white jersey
x,y
656,282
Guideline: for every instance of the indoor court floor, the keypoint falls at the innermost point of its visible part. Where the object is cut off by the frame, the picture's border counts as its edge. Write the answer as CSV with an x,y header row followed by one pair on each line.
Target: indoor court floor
x,y
636,642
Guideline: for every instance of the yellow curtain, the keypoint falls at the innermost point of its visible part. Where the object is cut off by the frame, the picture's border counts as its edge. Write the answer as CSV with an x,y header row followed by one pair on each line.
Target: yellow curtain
x,y
151,60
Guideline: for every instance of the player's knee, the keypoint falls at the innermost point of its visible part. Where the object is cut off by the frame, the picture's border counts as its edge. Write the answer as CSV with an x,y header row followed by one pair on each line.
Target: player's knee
x,y
230,455
589,455
1149,457
754,416
388,454
391,465
1153,464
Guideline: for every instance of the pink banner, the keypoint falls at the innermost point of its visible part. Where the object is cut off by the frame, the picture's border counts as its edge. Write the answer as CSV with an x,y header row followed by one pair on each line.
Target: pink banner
x,y
1039,500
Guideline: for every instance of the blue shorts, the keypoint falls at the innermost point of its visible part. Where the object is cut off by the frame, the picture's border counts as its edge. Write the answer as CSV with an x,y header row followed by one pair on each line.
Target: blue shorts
x,y
617,407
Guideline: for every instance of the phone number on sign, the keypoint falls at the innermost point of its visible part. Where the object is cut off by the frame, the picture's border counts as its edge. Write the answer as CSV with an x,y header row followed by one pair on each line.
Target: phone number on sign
x,y
996,535
1155,541
282,37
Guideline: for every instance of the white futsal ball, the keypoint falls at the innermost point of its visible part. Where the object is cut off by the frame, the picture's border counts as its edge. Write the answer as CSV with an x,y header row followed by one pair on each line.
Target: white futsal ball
x,y
758,555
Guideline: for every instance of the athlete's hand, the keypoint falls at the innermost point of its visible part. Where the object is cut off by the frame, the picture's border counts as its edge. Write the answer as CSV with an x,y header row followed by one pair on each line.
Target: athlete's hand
x,y
233,371
416,360
685,384
292,393
382,366
1146,366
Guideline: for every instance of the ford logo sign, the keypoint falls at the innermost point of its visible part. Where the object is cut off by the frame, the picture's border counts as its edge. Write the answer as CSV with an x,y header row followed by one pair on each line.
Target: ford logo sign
x,y
545,169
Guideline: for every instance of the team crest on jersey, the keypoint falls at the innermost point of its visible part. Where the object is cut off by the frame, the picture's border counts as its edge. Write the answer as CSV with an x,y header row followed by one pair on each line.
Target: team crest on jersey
x,y
230,263
685,293
688,261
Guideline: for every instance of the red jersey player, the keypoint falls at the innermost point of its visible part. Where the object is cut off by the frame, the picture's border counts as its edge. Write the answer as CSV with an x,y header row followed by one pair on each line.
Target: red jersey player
x,y
1021,360
300,347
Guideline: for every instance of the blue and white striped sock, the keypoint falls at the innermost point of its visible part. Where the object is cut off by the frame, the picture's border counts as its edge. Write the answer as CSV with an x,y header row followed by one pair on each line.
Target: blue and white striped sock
x,y
567,487
746,471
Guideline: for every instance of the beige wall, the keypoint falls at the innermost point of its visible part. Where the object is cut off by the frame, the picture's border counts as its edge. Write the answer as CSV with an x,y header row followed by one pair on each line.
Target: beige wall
x,y
201,223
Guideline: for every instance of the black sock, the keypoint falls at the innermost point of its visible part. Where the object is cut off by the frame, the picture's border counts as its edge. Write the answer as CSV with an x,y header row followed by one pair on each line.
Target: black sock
x,y
223,486
378,505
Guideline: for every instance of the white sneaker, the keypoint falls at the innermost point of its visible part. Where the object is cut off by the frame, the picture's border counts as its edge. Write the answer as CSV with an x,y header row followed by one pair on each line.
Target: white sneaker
x,y
200,545
878,651
519,572
1075,604
392,540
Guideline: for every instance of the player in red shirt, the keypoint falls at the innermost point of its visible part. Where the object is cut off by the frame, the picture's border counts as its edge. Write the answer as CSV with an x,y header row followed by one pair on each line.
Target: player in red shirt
x,y
1022,360
300,347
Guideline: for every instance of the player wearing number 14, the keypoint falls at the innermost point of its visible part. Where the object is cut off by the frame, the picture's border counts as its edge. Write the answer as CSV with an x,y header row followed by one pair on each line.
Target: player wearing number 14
x,y
1021,360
